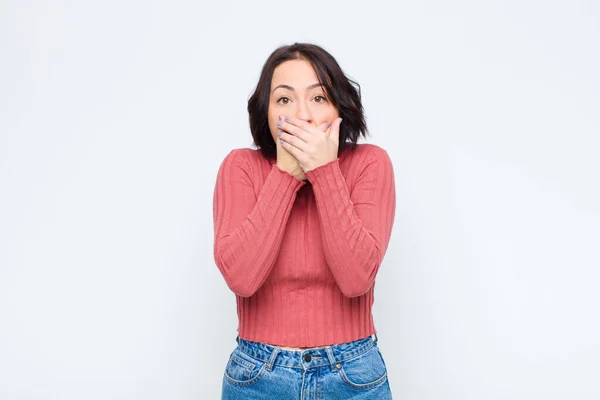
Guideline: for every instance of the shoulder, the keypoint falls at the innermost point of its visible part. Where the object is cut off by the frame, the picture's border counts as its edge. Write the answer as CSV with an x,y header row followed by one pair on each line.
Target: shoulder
x,y
241,156
235,161
367,154
244,160
370,165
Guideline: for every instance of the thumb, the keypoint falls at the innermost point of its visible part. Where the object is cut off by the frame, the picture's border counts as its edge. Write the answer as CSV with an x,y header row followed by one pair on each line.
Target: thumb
x,y
335,129
323,127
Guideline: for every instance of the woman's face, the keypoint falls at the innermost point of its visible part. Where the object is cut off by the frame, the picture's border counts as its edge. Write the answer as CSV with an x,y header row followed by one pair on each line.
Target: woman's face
x,y
295,92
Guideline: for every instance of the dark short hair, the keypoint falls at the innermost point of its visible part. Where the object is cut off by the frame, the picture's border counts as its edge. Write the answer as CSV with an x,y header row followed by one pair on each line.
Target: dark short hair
x,y
338,87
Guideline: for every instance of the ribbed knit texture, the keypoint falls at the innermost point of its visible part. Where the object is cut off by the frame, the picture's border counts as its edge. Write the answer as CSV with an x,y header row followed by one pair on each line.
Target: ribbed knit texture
x,y
302,256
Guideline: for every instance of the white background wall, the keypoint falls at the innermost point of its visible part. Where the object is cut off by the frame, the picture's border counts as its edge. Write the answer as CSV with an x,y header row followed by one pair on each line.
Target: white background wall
x,y
115,116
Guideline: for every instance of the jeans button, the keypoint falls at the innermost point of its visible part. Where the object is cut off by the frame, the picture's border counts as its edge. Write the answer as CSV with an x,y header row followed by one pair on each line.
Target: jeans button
x,y
307,357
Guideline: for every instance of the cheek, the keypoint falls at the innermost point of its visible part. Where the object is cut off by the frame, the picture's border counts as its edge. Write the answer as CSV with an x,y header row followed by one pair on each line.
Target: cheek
x,y
272,120
273,128
333,113
329,113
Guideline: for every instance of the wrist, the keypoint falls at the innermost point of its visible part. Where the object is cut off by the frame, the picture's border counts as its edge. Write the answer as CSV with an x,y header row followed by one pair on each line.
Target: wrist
x,y
296,172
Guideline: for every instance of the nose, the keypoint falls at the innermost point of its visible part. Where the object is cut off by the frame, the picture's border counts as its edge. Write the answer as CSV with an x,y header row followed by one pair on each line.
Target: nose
x,y
303,112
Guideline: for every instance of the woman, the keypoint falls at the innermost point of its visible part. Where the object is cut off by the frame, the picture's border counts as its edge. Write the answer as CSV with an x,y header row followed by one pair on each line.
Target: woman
x,y
301,228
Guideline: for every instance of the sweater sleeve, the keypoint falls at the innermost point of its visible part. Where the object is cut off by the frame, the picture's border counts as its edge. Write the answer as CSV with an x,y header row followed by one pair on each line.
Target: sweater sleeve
x,y
355,227
248,229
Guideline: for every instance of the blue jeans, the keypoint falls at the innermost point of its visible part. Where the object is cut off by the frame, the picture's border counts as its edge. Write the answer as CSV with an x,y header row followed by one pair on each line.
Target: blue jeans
x,y
354,370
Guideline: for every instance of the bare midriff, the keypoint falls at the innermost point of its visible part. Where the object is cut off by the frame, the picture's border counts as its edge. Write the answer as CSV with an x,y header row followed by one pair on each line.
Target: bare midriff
x,y
293,348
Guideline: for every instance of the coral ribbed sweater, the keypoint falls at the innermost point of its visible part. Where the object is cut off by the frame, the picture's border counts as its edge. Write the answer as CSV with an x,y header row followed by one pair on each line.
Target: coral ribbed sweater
x,y
302,256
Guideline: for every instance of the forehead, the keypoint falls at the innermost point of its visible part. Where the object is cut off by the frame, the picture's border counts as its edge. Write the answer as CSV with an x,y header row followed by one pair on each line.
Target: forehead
x,y
294,71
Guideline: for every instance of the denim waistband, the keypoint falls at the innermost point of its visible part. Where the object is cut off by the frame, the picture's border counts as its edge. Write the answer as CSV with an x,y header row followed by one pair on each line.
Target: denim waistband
x,y
306,358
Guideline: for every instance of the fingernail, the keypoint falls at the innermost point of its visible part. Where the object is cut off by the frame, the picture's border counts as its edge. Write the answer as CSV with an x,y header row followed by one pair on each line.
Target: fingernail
x,y
327,124
278,132
279,122
287,118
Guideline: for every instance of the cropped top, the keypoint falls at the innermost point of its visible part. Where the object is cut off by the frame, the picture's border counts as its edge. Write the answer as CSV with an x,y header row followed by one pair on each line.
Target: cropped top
x,y
301,256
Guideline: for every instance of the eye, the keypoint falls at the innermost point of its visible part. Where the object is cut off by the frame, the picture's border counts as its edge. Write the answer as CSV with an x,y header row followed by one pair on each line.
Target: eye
x,y
323,97
281,98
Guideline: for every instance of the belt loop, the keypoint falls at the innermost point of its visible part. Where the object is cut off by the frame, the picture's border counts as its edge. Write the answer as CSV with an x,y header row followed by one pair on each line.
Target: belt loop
x,y
332,362
374,337
274,353
237,339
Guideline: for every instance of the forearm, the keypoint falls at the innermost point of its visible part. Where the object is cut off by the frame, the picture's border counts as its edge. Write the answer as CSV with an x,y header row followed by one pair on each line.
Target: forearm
x,y
245,254
355,232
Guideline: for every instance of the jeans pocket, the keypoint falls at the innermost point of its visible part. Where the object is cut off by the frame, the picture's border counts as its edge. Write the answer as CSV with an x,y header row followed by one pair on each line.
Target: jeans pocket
x,y
364,371
242,369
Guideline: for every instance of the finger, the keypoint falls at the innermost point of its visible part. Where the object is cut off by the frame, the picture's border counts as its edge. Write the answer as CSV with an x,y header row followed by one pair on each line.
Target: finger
x,y
279,147
301,124
294,141
292,150
295,131
335,131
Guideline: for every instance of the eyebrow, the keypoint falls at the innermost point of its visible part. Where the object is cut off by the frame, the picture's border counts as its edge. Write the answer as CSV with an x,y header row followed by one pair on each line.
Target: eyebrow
x,y
314,85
